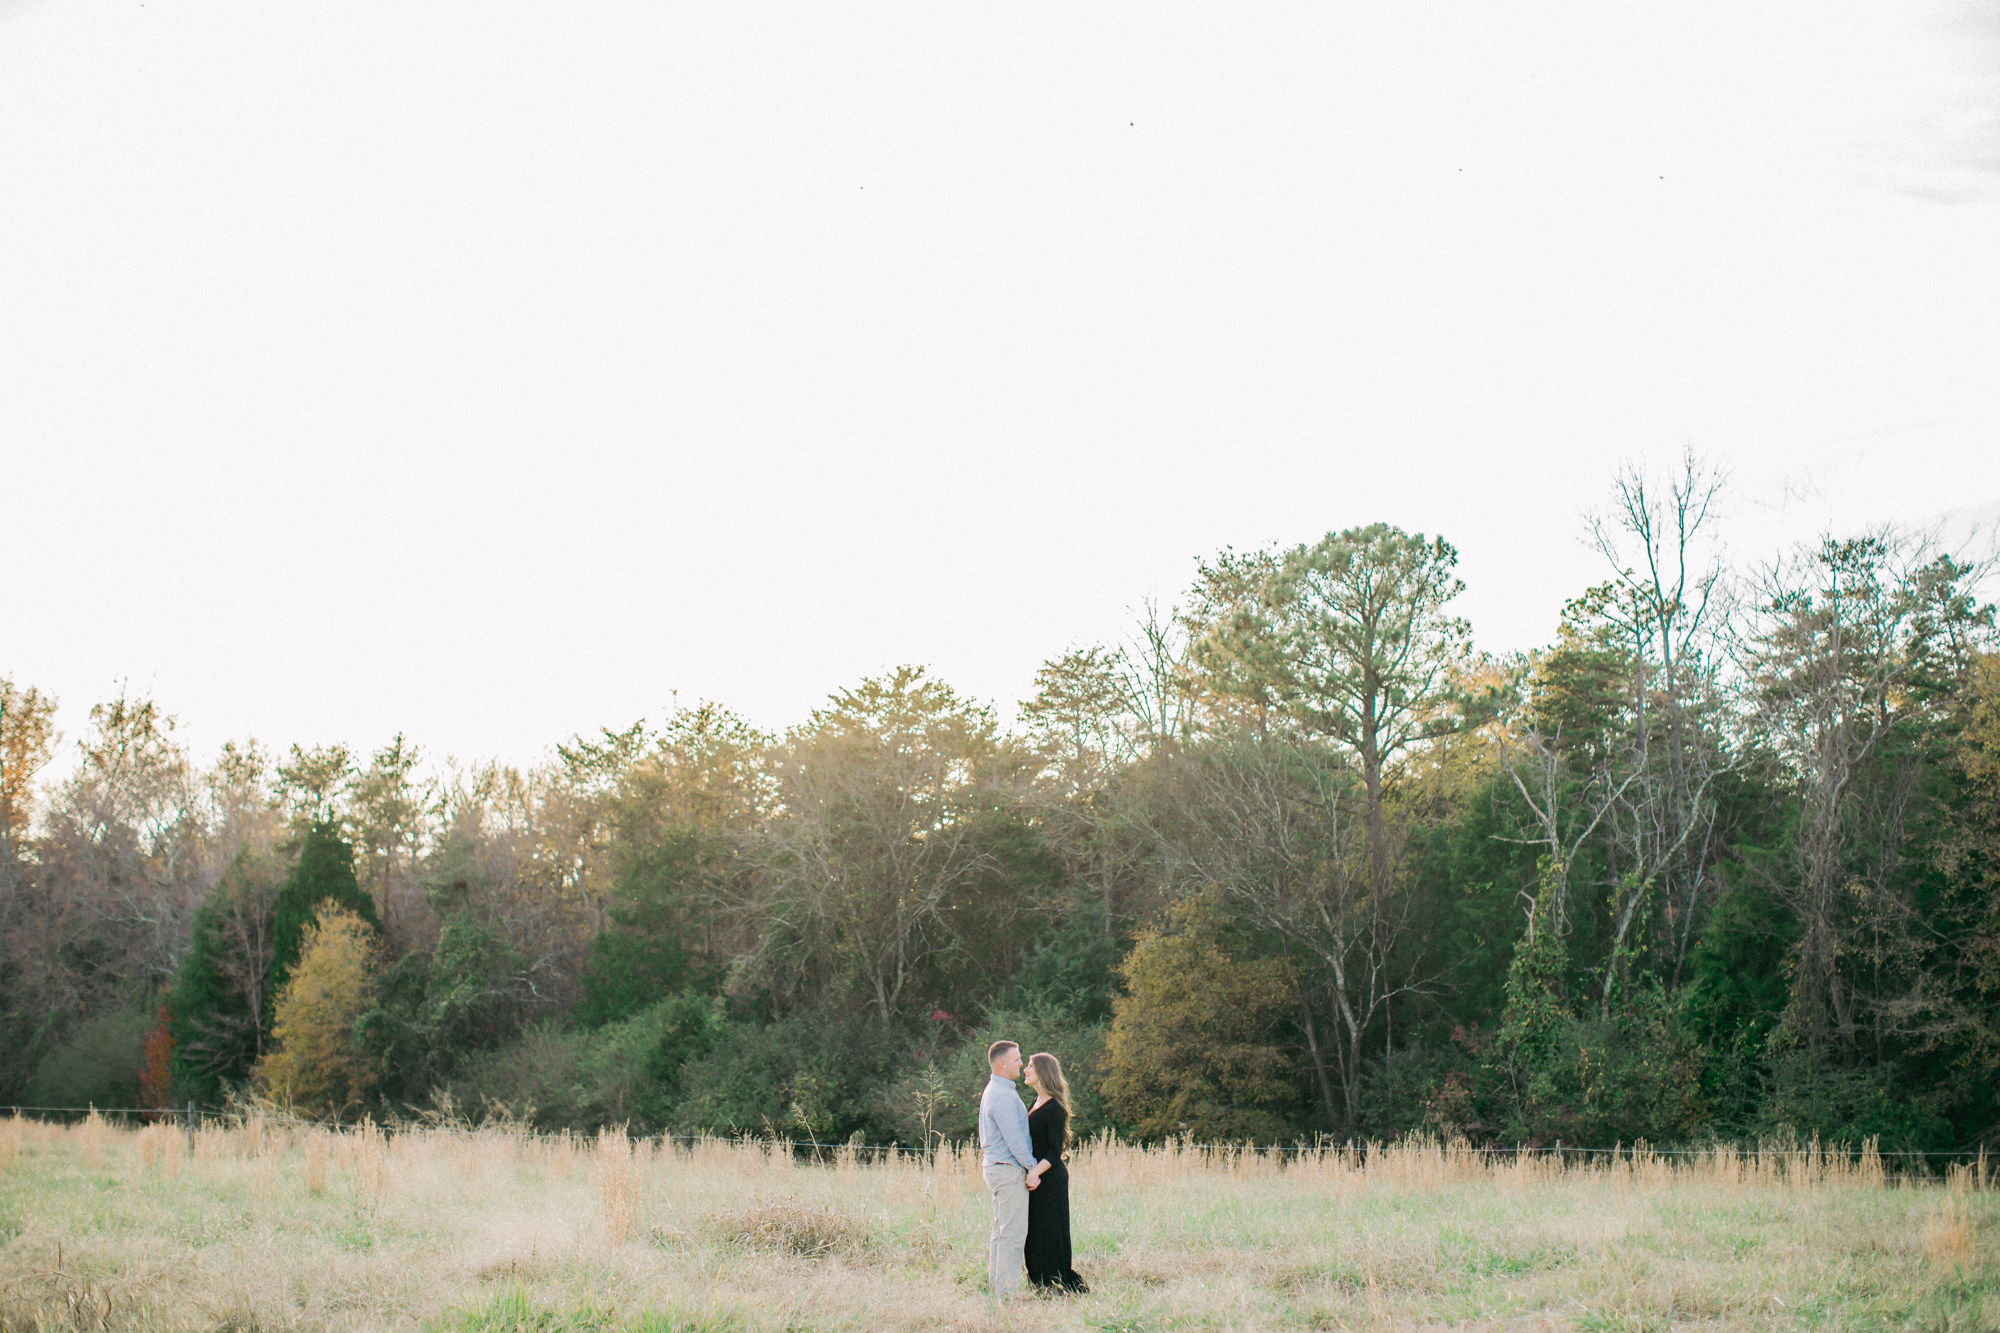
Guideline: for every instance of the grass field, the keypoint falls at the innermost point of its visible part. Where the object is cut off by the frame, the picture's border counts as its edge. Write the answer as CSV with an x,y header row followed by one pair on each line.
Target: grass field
x,y
270,1227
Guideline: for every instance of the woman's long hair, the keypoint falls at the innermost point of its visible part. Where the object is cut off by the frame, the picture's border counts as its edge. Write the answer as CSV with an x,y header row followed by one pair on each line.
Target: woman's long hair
x,y
1049,1079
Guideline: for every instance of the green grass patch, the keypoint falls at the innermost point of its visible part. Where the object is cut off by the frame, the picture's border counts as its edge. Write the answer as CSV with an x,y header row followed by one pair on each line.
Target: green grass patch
x,y
513,1309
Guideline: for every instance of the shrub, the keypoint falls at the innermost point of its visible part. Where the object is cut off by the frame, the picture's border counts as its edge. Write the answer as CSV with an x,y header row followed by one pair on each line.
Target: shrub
x,y
1804,1097
1398,1091
816,1077
958,1073
628,1072
100,1065
1634,1076
791,1226
434,1009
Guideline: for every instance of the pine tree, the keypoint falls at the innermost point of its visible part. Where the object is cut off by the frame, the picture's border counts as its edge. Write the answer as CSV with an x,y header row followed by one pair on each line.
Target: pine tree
x,y
324,874
220,1001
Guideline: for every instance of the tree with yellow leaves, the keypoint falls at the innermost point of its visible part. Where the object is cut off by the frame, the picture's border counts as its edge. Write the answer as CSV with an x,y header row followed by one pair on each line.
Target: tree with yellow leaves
x,y
316,1064
1192,1049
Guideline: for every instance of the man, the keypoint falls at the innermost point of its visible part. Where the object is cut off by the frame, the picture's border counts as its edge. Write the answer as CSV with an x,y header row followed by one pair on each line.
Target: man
x,y
1007,1158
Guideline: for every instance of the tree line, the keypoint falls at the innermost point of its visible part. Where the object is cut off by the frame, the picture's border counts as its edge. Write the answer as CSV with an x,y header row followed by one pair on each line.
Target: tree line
x,y
1296,859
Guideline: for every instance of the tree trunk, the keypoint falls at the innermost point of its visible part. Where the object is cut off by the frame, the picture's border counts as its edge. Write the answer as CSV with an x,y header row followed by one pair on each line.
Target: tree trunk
x,y
1318,1057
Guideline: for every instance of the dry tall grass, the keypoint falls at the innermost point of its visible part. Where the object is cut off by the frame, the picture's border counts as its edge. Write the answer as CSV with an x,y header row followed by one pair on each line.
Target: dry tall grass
x,y
614,1173
278,1226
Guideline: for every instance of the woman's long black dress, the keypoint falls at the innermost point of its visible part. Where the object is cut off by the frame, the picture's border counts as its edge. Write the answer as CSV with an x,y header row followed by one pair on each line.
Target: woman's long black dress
x,y
1048,1251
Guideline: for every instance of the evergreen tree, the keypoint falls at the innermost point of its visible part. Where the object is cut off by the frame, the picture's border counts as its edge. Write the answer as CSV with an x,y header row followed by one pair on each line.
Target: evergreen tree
x,y
642,957
324,874
1072,969
219,1006
431,1011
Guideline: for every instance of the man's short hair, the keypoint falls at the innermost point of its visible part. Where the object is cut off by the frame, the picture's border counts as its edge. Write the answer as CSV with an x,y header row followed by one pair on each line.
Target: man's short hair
x,y
999,1048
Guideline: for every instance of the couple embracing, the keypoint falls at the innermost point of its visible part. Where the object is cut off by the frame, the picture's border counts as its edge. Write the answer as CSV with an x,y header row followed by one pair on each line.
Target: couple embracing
x,y
1021,1151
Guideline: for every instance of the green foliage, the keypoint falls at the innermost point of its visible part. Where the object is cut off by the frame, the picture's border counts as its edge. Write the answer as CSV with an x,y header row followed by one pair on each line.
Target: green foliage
x,y
1073,967
434,1009
100,1064
1538,983
1397,1091
1349,635
468,1003
1805,1097
1761,913
1962,855
1634,1076
1020,884
816,1077
513,1310
1564,1077
683,1029
959,1072
680,1065
1191,1049
402,1047
1479,869
219,1004
215,1041
626,1072
642,956
324,873
1582,683
1737,989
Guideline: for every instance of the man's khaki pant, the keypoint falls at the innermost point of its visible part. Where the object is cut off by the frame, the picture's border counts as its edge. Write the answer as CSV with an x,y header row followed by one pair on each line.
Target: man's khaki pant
x,y
1010,1227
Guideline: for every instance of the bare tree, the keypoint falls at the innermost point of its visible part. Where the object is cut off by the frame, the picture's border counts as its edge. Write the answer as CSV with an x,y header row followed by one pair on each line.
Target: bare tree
x,y
390,812
27,743
1098,709
125,832
1278,826
871,845
1155,671
1672,614
1846,636
1615,740
1567,800
521,855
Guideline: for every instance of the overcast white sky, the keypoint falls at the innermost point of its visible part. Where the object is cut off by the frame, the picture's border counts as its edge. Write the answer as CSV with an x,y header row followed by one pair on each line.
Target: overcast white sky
x,y
490,371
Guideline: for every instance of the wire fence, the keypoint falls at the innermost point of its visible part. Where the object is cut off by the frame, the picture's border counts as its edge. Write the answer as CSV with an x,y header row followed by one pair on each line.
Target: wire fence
x,y
195,1115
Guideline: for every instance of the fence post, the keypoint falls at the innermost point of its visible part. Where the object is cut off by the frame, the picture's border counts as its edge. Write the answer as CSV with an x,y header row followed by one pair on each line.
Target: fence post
x,y
190,1129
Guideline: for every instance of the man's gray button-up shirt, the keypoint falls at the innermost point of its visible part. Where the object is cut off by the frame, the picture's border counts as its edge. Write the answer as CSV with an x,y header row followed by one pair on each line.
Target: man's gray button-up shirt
x,y
1003,1126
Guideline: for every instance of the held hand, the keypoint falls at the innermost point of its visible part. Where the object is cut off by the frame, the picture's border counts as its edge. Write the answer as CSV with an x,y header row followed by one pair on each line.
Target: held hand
x,y
1032,1181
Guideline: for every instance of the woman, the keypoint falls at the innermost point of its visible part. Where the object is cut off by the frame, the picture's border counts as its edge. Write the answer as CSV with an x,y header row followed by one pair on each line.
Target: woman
x,y
1048,1252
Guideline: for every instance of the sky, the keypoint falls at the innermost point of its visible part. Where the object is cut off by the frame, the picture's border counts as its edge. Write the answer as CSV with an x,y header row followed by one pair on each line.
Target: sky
x,y
495,372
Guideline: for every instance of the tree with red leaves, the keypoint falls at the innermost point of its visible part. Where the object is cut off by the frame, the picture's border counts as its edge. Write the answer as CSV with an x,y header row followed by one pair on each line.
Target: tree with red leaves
x,y
156,1083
